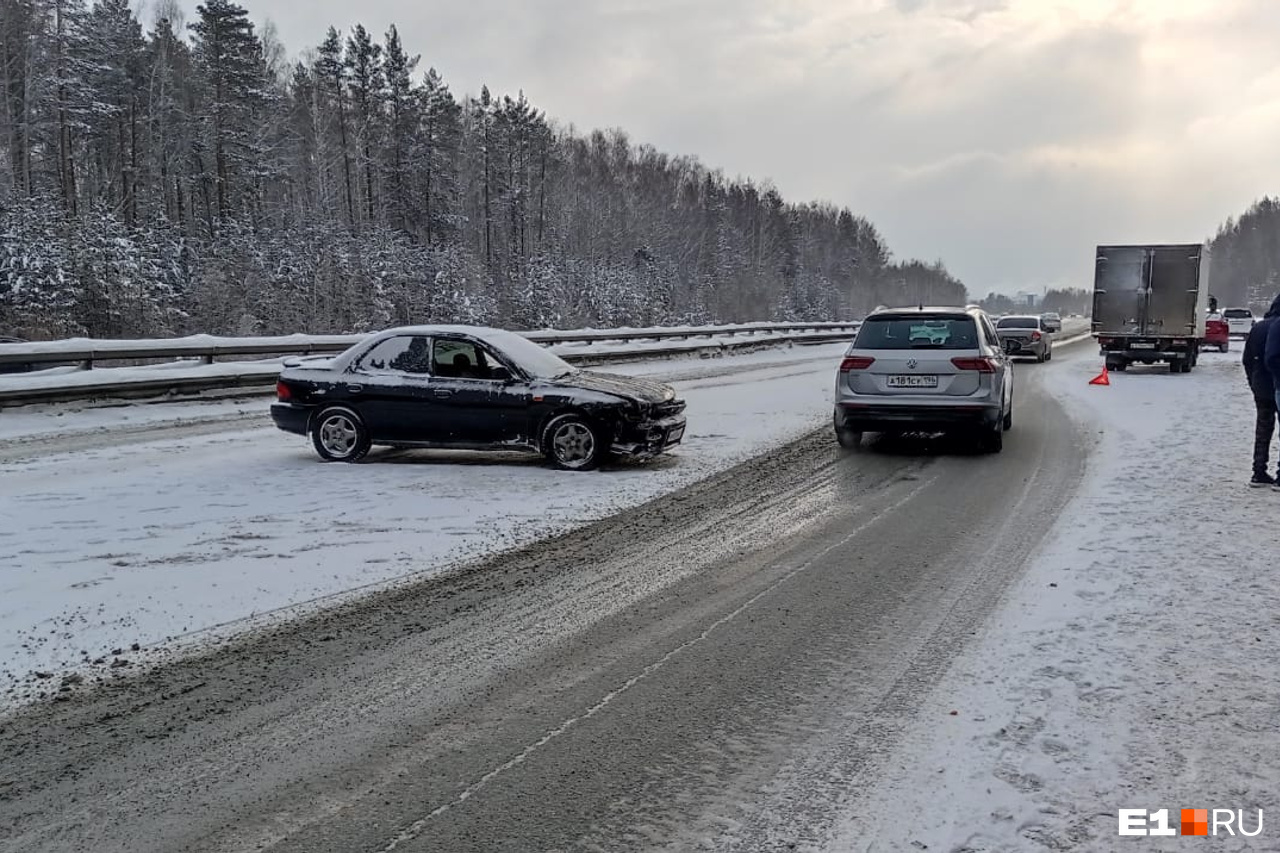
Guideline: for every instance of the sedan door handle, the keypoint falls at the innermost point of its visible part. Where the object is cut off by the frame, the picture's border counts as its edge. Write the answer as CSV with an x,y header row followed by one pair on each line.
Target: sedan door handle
x,y
442,392
355,389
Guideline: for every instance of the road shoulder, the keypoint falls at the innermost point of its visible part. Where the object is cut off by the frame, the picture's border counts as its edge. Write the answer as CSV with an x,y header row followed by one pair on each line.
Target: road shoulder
x,y
1133,665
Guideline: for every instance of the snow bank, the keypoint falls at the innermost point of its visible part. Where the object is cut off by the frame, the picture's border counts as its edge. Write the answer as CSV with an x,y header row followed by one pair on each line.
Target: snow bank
x,y
1134,665
122,543
68,377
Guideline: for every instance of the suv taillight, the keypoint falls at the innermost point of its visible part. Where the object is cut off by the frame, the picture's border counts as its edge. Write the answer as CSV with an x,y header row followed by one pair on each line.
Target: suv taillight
x,y
283,393
982,365
856,362
1035,336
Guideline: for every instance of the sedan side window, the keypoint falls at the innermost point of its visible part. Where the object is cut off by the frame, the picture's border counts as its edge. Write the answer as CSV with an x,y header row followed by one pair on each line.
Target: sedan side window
x,y
402,354
463,360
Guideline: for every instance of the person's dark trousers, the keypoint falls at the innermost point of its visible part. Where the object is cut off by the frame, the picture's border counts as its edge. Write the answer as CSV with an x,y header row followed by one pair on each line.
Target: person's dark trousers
x,y
1262,433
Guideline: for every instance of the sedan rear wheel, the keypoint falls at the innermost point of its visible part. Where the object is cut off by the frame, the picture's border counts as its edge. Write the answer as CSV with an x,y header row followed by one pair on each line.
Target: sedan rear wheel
x,y
573,443
339,435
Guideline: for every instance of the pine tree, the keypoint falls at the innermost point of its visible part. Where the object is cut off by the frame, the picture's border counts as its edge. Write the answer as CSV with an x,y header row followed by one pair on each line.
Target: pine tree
x,y
403,120
229,59
364,67
331,72
435,158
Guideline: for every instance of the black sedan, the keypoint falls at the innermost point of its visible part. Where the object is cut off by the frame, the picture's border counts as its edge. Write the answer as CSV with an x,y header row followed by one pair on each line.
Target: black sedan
x,y
465,387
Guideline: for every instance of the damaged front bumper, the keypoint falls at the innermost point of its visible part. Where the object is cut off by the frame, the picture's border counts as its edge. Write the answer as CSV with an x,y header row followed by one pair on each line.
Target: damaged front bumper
x,y
650,437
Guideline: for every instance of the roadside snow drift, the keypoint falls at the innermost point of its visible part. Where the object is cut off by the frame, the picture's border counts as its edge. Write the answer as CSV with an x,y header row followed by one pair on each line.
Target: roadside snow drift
x,y
168,522
1134,666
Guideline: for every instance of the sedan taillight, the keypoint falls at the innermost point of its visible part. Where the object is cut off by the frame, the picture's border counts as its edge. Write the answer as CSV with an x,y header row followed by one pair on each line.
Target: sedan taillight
x,y
980,364
283,393
856,362
1035,336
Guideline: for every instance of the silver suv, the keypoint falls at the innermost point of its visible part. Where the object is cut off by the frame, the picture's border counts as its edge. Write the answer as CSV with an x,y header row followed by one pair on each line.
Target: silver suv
x,y
925,369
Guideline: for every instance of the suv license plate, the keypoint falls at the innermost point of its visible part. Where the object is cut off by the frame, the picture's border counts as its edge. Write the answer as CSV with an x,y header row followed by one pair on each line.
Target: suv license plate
x,y
912,382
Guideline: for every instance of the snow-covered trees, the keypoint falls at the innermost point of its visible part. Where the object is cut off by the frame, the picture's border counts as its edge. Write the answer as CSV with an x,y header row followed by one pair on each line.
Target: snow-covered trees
x,y
176,179
1246,257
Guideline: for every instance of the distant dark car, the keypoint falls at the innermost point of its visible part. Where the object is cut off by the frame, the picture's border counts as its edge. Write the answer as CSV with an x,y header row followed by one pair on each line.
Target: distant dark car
x,y
1052,321
14,367
466,387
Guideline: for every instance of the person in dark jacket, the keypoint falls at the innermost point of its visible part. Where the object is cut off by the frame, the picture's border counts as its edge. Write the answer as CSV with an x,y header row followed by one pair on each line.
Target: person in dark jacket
x,y
1260,373
1271,359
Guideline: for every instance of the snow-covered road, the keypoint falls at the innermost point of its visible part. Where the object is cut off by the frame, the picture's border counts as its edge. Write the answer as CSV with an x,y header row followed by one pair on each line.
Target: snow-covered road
x,y
1134,664
144,524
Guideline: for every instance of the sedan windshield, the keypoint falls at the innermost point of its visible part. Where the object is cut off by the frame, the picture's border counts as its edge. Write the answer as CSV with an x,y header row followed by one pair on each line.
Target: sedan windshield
x,y
1018,323
530,357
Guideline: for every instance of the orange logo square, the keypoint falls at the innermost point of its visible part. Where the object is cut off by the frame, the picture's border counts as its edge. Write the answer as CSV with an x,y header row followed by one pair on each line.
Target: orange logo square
x,y
1195,821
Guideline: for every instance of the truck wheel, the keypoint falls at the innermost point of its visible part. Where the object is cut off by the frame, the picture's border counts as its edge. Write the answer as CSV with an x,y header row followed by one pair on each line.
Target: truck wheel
x,y
1175,365
1187,364
1224,347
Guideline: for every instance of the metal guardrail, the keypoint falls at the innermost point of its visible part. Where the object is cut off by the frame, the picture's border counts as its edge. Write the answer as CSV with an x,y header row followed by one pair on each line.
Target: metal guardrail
x,y
88,351
263,375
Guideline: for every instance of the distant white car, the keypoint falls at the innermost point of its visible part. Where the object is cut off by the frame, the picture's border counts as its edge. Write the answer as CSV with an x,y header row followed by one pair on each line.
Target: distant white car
x,y
1239,321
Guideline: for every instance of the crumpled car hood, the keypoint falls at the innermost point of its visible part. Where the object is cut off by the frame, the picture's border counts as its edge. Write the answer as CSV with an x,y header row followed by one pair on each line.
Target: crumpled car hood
x,y
630,387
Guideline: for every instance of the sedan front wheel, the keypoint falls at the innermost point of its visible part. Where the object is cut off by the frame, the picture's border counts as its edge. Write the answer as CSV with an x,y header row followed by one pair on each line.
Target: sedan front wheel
x,y
573,443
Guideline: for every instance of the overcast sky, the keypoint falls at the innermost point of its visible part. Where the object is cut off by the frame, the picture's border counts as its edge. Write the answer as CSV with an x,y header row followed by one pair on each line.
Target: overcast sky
x,y
1005,137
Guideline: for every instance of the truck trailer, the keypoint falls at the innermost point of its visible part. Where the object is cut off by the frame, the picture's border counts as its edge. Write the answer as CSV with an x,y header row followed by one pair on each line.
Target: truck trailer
x,y
1149,304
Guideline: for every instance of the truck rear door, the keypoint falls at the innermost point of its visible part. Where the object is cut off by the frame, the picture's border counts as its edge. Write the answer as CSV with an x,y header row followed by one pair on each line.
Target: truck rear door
x,y
1175,286
1120,290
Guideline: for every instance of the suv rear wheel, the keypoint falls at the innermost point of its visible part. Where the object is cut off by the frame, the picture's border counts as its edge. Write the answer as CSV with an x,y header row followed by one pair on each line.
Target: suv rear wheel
x,y
991,438
849,439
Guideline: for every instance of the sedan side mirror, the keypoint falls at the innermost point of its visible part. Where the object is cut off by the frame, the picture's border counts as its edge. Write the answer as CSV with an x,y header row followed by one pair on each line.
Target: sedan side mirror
x,y
500,374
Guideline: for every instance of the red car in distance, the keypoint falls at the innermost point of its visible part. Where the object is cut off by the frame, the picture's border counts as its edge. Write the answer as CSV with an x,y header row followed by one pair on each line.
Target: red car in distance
x,y
1217,333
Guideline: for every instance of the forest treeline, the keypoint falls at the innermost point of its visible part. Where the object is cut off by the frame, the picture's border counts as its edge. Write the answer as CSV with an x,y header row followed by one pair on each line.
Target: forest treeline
x,y
181,177
1246,257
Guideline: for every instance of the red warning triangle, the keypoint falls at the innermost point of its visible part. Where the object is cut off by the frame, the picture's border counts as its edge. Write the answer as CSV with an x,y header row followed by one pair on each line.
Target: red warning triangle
x,y
1102,378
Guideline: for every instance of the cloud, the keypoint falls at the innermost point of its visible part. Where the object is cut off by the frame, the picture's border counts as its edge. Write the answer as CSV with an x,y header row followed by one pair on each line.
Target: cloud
x,y
1004,136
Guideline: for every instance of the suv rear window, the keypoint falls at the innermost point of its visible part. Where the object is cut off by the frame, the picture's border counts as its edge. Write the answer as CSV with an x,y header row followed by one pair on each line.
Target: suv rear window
x,y
1237,313
917,333
1018,323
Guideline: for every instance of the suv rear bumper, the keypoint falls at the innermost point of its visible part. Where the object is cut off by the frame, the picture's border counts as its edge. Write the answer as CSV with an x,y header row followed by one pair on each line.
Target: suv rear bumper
x,y
873,417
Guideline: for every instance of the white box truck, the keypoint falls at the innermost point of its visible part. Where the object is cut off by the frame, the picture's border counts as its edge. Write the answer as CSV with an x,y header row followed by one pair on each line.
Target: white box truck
x,y
1150,303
